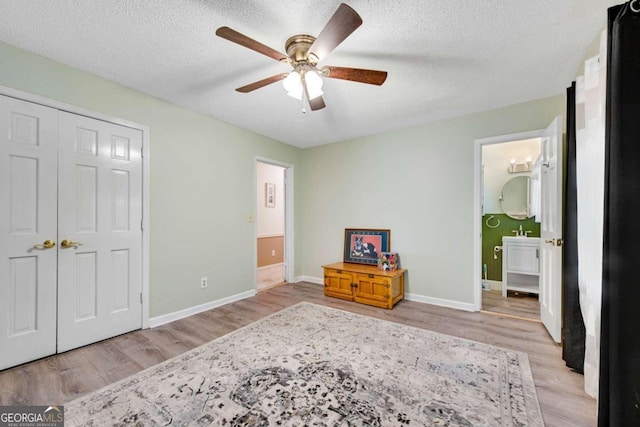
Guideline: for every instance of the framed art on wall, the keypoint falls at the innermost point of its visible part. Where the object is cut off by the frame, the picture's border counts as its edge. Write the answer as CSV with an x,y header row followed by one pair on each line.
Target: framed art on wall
x,y
270,195
362,245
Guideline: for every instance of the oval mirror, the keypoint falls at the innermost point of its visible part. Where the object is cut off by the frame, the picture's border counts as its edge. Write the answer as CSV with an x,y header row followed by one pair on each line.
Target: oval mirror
x,y
515,197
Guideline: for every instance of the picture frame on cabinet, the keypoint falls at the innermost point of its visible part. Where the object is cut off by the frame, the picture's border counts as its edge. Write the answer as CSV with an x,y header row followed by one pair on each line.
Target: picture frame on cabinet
x,y
362,245
270,195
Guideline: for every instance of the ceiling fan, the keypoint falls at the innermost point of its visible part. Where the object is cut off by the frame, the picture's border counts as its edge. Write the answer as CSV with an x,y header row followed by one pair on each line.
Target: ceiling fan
x,y
303,54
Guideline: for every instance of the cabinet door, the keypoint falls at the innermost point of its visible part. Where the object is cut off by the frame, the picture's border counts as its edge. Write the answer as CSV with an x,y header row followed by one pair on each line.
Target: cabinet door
x,y
337,283
373,290
523,259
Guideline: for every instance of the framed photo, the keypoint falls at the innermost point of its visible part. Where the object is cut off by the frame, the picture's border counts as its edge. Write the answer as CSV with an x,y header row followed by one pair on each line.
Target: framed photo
x,y
270,195
363,245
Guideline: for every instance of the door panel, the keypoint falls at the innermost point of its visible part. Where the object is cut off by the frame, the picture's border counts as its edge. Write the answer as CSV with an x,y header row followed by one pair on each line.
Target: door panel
x,y
372,288
338,284
100,209
28,162
551,230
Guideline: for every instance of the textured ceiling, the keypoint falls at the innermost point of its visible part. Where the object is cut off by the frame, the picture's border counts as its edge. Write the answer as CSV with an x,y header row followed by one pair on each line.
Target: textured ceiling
x,y
445,58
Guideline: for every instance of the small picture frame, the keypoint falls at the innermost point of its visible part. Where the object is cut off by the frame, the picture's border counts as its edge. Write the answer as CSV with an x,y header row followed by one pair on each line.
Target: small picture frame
x,y
388,261
363,245
270,195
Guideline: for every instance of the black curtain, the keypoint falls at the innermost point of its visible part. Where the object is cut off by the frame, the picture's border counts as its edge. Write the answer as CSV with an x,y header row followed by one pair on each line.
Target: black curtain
x,y
619,396
573,331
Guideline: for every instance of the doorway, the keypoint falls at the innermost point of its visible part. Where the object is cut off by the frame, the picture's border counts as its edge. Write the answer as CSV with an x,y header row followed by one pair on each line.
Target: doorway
x,y
271,221
510,206
542,259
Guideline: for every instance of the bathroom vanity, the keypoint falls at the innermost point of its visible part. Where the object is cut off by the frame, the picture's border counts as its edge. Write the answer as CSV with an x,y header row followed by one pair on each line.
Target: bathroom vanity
x,y
520,264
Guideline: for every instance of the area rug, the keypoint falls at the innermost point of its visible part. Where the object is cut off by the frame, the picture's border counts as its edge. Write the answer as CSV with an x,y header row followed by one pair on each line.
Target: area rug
x,y
310,365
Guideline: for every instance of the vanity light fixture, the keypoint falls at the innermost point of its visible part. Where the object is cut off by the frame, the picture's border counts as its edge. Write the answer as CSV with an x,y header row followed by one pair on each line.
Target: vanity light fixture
x,y
520,167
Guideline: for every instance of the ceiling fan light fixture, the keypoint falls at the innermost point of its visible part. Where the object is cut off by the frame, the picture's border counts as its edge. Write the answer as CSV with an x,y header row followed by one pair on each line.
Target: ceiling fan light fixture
x,y
314,84
293,85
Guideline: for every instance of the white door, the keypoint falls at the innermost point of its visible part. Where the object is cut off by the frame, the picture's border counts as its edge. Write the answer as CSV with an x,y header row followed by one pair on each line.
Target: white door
x,y
28,168
551,230
100,217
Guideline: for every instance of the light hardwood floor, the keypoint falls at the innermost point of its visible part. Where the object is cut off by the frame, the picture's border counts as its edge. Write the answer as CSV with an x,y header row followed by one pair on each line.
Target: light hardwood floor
x,y
61,378
517,304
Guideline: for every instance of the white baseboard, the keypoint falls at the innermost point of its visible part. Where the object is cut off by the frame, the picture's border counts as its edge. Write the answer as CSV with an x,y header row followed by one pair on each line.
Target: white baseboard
x,y
440,302
411,297
310,279
181,314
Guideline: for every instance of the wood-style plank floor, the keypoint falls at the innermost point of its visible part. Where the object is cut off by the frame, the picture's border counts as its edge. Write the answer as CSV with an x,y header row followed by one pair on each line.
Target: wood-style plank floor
x,y
516,304
61,378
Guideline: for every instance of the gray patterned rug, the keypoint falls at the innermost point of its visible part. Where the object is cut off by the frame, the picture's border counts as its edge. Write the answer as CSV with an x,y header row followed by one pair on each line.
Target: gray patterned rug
x,y
310,365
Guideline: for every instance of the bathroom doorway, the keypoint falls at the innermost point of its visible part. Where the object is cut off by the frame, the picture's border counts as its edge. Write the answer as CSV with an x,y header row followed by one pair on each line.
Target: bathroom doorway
x,y
520,255
511,225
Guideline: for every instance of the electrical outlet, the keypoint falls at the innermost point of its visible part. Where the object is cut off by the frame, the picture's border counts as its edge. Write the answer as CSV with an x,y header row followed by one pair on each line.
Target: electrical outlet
x,y
203,282
273,252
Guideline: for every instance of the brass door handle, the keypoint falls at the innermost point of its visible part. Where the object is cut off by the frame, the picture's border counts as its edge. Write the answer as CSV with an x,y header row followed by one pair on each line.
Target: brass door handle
x,y
69,244
555,242
47,244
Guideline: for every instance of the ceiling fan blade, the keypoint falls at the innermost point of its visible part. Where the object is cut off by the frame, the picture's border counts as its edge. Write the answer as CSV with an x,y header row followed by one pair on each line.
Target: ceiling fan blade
x,y
373,77
242,40
316,103
261,83
343,22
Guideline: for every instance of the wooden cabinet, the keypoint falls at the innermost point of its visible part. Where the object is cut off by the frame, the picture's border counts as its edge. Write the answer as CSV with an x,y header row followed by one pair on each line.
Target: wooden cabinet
x,y
520,264
364,284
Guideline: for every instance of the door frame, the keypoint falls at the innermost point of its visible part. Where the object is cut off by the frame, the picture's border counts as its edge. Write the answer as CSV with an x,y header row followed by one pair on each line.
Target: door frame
x,y
289,255
477,203
146,150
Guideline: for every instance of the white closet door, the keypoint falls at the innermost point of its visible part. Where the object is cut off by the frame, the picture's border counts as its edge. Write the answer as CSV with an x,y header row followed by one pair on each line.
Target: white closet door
x,y
28,168
100,212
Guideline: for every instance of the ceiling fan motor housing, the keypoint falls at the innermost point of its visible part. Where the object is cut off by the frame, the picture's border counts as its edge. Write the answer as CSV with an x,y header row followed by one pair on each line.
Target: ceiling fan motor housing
x,y
297,48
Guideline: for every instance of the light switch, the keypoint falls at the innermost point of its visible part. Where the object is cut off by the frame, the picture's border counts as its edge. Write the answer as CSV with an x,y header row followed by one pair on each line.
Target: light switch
x,y
250,219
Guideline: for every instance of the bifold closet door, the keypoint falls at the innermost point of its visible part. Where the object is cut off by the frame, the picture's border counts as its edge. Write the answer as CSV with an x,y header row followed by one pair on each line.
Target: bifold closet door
x,y
99,228
28,229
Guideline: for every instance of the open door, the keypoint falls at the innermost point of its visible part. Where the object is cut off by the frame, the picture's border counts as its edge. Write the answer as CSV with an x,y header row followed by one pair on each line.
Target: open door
x,y
551,230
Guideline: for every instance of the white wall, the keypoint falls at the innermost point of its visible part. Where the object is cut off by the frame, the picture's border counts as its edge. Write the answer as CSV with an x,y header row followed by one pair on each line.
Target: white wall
x,y
202,181
270,221
496,159
419,183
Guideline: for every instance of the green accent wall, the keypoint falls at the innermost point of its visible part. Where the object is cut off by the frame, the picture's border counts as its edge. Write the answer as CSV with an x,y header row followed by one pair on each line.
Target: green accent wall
x,y
492,237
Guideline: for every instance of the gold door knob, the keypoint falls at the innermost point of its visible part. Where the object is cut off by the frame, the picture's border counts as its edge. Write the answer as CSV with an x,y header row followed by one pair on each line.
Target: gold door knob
x,y
69,244
47,244
555,242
